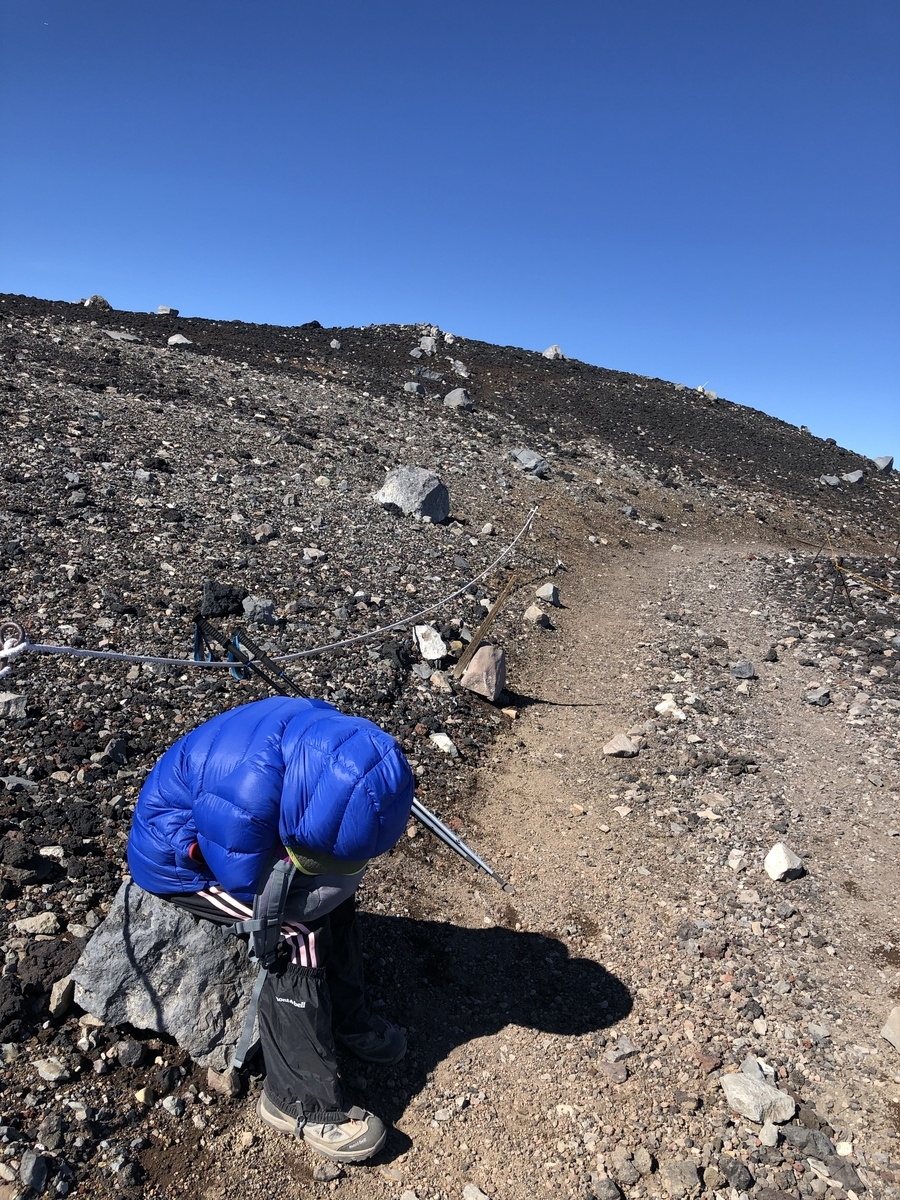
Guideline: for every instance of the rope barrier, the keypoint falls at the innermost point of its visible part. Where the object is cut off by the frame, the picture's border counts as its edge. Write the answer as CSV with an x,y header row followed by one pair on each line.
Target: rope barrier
x,y
15,644
839,566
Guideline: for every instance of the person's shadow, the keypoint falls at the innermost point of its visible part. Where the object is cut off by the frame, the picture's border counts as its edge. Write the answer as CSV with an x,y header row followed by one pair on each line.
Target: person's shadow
x,y
449,985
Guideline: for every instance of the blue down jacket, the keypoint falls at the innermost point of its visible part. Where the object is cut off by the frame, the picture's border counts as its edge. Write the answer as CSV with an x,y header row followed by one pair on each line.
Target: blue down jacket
x,y
282,770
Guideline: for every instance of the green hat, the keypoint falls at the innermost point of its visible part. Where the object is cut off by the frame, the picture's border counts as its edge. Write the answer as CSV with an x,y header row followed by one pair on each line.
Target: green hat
x,y
323,864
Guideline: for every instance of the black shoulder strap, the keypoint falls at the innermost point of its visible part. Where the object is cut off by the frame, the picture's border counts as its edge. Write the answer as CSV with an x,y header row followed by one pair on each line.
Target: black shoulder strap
x,y
265,932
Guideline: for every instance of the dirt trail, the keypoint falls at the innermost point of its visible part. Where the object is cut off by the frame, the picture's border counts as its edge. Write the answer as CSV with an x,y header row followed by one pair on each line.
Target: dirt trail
x,y
629,923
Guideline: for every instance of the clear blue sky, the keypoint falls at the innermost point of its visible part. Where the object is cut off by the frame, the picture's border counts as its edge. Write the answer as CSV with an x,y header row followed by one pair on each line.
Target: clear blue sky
x,y
705,191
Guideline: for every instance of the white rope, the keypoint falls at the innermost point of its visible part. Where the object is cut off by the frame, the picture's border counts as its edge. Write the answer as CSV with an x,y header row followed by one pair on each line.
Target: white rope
x,y
13,651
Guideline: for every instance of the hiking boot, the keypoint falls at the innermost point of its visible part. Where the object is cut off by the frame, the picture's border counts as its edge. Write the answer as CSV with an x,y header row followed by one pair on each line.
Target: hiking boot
x,y
354,1140
381,1043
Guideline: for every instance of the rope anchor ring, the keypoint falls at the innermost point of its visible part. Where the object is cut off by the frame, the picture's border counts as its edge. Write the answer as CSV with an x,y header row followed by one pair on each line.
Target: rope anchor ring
x,y
11,631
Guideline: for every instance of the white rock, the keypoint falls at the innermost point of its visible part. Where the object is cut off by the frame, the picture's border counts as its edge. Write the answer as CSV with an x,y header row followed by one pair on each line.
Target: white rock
x,y
891,1031
853,477
621,746
45,922
757,1101
11,705
752,1068
830,480
884,464
431,645
440,681
553,353
843,1149
415,491
668,708
413,388
471,1192
52,1070
165,311
61,995
537,616
486,672
117,336
737,861
443,743
768,1135
782,863
548,592
428,345
487,530
334,344
178,339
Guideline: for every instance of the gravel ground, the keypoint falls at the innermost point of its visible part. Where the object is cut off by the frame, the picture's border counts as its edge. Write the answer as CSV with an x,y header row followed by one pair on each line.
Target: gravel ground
x,y
134,471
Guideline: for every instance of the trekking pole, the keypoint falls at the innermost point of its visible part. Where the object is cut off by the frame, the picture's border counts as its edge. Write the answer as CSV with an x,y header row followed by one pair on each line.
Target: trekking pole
x,y
206,637
241,649
449,838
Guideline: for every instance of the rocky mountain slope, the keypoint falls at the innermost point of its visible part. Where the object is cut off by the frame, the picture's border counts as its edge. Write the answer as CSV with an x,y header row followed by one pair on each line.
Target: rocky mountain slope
x,y
687,535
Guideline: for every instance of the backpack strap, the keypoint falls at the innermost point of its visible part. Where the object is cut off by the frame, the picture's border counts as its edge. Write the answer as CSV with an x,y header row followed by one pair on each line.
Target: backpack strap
x,y
269,903
264,932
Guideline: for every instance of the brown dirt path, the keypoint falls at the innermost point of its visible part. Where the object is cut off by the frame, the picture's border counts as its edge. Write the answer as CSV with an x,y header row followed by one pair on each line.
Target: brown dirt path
x,y
629,923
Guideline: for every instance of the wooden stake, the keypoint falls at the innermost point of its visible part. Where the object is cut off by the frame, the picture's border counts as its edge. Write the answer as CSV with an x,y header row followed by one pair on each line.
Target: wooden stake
x,y
479,635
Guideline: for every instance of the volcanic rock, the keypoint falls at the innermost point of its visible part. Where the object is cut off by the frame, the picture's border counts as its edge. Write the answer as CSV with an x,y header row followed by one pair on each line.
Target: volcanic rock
x,y
12,705
757,1101
486,672
621,746
414,491
431,645
459,399
781,863
153,967
531,461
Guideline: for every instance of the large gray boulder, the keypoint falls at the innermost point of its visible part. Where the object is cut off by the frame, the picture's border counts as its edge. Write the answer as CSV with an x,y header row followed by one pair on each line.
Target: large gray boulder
x,y
154,967
884,464
415,491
